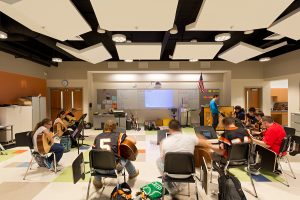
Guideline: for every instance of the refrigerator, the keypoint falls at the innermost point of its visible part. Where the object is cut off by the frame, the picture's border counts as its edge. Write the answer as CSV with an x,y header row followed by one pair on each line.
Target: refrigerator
x,y
38,109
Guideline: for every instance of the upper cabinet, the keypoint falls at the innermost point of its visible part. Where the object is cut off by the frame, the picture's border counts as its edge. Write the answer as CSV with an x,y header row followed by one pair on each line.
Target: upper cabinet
x,y
279,94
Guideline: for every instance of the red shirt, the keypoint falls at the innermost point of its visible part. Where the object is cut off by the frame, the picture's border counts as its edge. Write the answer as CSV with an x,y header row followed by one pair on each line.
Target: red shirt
x,y
274,136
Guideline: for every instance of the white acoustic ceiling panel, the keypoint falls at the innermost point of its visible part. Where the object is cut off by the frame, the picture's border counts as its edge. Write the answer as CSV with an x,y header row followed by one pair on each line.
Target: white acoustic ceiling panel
x,y
243,51
58,19
237,15
93,54
139,51
288,25
135,15
196,50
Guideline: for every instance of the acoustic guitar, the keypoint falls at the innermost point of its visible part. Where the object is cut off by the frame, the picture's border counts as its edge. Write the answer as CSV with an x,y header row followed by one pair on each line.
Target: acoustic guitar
x,y
43,144
128,150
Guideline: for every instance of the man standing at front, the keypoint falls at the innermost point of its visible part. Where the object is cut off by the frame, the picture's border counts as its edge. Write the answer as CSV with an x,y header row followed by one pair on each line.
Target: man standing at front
x,y
214,111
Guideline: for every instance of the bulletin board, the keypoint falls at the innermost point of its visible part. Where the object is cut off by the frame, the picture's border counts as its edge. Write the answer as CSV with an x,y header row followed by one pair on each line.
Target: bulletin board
x,y
207,95
107,98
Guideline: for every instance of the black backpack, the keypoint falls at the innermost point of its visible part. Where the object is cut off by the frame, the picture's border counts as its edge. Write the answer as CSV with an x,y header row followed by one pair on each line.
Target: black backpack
x,y
230,188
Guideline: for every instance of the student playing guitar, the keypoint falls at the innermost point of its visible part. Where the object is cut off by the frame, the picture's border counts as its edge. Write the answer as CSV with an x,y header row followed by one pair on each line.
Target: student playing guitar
x,y
41,128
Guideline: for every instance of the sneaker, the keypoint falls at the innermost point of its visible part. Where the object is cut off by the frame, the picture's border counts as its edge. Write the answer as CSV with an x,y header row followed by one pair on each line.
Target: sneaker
x,y
135,175
97,183
47,164
254,171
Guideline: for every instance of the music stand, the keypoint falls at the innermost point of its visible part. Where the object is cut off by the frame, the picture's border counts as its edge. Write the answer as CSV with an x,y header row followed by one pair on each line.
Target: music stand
x,y
76,134
119,115
207,131
78,168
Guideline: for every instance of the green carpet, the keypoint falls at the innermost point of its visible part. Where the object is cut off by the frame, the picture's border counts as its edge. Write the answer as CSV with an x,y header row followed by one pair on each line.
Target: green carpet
x,y
242,175
67,174
10,154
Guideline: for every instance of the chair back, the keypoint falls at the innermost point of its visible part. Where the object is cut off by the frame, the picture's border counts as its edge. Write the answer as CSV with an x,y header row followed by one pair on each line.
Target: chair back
x,y
285,143
102,159
179,163
239,152
289,131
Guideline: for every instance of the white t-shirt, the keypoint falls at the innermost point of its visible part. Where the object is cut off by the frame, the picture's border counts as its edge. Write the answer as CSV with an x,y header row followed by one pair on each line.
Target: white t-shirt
x,y
177,142
40,130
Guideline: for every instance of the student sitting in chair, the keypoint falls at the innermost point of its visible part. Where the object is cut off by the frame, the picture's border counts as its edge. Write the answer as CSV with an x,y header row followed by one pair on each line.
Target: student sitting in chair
x,y
110,140
59,126
41,130
231,135
177,142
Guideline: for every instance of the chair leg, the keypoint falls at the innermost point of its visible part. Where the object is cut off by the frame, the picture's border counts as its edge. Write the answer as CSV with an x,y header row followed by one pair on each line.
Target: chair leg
x,y
189,190
287,160
54,163
252,182
164,189
196,188
88,190
286,180
29,167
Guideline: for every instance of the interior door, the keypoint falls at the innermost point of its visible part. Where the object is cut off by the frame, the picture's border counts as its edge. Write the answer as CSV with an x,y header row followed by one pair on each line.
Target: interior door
x,y
253,98
66,98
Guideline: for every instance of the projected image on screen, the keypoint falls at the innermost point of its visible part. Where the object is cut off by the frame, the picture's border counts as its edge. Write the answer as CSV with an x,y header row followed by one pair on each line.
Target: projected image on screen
x,y
159,98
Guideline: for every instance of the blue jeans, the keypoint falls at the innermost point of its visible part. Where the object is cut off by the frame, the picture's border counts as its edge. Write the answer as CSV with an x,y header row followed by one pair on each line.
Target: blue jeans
x,y
58,150
125,163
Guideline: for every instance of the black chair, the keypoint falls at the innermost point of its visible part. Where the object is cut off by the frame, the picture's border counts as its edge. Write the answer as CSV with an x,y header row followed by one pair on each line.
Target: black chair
x,y
284,149
186,167
239,155
102,160
29,143
289,131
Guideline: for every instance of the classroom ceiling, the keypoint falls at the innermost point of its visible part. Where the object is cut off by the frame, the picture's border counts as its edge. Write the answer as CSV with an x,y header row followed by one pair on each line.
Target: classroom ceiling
x,y
39,30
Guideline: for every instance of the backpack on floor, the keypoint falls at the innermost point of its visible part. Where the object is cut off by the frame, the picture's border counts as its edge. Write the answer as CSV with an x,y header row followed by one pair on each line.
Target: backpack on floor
x,y
121,192
230,188
151,191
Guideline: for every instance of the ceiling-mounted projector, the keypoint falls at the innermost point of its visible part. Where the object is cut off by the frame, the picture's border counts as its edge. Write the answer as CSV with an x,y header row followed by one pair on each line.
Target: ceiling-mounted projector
x,y
157,85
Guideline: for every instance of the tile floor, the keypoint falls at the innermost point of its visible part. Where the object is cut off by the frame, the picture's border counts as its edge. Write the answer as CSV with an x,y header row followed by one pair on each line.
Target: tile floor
x,y
42,184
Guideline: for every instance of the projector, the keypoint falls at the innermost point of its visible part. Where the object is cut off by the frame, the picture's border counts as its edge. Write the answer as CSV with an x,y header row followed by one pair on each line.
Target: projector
x,y
157,85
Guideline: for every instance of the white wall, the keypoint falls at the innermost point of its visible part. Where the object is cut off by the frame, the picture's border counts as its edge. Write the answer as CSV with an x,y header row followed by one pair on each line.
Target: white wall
x,y
280,84
238,92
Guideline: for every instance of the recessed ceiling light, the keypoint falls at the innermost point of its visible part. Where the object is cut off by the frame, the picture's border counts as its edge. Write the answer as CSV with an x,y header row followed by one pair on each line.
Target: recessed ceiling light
x,y
193,60
56,60
128,60
174,30
222,37
248,32
265,59
119,38
3,35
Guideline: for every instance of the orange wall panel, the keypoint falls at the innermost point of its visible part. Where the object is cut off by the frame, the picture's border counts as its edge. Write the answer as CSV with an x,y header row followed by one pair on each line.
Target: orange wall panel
x,y
13,86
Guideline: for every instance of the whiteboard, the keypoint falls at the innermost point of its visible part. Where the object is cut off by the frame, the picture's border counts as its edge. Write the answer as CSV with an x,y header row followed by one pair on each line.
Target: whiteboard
x,y
135,99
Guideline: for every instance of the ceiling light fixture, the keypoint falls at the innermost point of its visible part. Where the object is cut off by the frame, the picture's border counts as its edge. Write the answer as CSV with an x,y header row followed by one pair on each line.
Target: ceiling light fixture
x,y
222,37
119,38
56,60
193,60
174,30
248,32
3,35
265,59
128,60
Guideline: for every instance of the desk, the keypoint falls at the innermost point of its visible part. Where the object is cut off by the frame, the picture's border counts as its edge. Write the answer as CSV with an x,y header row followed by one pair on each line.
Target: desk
x,y
99,119
7,128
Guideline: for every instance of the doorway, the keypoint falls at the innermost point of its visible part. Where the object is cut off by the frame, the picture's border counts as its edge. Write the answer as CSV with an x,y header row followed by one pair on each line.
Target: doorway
x,y
66,99
253,98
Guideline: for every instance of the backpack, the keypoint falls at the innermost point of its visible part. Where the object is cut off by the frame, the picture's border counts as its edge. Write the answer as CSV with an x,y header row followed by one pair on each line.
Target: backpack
x,y
121,192
230,188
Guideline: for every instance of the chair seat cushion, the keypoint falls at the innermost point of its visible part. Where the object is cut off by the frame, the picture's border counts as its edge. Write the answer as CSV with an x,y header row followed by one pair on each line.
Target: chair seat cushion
x,y
104,175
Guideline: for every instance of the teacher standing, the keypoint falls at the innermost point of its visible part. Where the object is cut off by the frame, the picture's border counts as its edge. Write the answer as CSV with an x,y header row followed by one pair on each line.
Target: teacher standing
x,y
214,111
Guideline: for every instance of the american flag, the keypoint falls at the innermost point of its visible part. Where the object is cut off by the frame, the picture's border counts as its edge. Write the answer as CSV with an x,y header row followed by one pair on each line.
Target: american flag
x,y
200,84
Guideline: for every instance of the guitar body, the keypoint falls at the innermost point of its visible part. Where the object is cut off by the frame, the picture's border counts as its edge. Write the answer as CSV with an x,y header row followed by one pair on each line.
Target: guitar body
x,y
128,150
43,144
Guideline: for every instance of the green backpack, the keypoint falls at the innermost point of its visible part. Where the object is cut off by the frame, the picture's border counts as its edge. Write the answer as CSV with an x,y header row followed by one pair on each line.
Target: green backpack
x,y
152,191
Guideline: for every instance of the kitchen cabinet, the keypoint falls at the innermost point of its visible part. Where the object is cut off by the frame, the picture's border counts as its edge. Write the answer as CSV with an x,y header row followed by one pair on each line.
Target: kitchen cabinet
x,y
279,94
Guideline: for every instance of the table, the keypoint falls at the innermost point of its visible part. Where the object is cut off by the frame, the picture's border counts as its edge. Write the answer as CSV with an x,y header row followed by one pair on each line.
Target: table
x,y
12,135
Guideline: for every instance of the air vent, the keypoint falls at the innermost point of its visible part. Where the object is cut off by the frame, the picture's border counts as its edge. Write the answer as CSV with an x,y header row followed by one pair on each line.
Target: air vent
x,y
112,65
